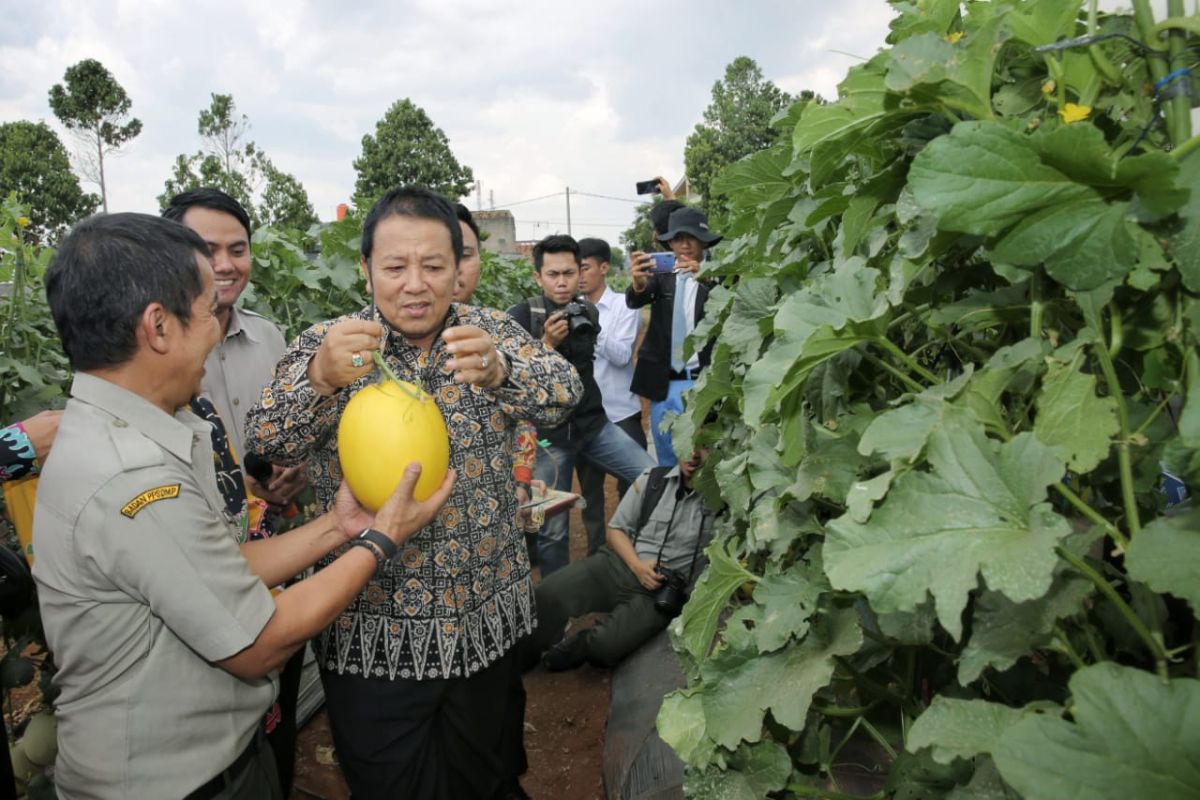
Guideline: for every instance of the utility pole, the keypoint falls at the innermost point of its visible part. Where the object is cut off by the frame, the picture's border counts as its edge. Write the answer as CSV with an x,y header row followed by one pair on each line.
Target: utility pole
x,y
492,199
568,211
479,195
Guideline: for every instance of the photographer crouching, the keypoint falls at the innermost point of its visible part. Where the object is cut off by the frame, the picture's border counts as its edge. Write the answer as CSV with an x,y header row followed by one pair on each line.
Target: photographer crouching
x,y
642,576
570,324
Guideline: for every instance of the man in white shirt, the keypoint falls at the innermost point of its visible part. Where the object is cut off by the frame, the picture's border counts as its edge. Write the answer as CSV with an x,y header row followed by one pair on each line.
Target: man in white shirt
x,y
613,370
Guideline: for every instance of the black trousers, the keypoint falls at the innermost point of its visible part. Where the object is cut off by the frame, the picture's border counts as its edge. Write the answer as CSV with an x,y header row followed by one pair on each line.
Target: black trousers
x,y
451,739
591,486
283,738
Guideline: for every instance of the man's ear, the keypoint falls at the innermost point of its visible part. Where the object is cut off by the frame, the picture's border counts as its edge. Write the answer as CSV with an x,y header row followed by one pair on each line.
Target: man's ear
x,y
366,271
152,327
537,276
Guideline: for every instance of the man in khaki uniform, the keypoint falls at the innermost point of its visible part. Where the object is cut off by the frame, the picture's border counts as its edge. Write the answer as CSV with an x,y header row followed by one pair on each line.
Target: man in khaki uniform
x,y
235,373
165,634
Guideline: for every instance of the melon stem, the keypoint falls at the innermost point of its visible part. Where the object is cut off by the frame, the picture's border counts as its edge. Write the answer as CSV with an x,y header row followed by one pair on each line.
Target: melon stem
x,y
386,374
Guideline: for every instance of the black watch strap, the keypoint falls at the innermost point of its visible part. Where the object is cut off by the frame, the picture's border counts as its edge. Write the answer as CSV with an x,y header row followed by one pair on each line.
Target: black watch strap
x,y
385,545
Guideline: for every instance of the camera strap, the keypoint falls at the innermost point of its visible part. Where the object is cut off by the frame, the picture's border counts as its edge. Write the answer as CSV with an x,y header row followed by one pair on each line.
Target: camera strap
x,y
537,316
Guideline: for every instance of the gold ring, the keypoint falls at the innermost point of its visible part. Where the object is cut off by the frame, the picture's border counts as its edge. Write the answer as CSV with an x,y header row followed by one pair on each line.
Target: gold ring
x,y
483,362
356,360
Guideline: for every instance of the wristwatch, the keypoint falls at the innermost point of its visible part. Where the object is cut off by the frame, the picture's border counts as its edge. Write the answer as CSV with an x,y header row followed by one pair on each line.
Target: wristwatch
x,y
383,548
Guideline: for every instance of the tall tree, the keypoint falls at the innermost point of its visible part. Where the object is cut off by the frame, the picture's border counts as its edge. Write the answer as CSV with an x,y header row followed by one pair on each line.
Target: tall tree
x,y
229,161
408,149
34,165
94,107
736,123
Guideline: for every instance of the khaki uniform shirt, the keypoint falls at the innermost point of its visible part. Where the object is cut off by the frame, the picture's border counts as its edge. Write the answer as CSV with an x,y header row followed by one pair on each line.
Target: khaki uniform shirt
x,y
141,586
238,368
684,524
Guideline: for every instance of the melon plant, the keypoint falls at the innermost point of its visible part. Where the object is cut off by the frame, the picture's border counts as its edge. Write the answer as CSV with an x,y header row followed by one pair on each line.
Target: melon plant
x,y
959,409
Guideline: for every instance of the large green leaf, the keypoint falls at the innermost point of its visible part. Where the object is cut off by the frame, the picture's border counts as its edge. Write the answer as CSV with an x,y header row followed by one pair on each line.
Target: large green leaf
x,y
1166,557
1072,420
984,178
956,728
1083,242
782,682
1044,22
1003,631
862,100
755,771
1185,245
711,593
680,723
1133,735
981,510
787,600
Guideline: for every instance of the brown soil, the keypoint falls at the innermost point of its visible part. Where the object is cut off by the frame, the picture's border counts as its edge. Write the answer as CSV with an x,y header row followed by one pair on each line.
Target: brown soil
x,y
565,718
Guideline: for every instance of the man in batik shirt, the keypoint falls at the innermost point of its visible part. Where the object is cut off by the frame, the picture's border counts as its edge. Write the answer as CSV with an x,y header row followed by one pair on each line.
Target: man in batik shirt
x,y
417,670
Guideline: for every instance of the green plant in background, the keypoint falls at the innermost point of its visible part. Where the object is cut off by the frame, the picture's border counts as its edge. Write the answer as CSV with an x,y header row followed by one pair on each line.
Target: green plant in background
x,y
958,385
504,281
33,368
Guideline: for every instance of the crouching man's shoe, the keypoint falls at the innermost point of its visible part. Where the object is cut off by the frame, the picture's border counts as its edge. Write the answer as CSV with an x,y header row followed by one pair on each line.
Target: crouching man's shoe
x,y
567,654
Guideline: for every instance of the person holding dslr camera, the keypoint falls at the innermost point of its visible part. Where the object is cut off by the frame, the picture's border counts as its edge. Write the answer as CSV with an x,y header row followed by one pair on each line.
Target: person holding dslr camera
x,y
570,324
642,576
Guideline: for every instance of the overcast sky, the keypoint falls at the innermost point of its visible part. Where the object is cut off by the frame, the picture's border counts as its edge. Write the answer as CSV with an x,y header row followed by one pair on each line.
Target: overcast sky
x,y
534,96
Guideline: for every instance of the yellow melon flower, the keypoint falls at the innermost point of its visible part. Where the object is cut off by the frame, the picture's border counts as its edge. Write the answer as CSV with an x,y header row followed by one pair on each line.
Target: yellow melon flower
x,y
1074,113
954,37
23,222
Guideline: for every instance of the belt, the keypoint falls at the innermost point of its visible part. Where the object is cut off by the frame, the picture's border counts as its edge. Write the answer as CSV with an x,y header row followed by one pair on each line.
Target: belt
x,y
217,785
685,374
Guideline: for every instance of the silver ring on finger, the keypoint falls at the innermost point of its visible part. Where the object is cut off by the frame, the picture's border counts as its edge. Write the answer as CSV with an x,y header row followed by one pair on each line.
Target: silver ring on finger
x,y
356,360
483,362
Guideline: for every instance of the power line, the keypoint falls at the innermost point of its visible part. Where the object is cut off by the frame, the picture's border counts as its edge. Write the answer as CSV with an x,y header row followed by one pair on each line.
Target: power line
x,y
530,200
576,223
607,197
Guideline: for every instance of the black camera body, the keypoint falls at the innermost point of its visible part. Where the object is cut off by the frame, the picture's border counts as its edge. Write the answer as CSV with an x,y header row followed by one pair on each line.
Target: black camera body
x,y
578,319
669,598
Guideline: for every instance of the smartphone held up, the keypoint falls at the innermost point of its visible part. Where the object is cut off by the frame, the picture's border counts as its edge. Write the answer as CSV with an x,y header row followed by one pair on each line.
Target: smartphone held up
x,y
648,187
663,262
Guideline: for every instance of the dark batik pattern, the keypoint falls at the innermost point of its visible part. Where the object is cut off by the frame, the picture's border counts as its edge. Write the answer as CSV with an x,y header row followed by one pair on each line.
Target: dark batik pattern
x,y
459,595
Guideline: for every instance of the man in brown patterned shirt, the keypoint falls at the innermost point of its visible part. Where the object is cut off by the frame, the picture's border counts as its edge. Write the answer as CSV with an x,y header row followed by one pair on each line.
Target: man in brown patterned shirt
x,y
418,670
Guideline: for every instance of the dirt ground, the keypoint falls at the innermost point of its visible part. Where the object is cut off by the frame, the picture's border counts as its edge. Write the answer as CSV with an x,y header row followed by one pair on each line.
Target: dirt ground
x,y
565,718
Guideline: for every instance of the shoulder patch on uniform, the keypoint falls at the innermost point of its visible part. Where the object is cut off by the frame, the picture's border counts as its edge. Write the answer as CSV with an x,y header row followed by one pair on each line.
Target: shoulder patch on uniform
x,y
167,492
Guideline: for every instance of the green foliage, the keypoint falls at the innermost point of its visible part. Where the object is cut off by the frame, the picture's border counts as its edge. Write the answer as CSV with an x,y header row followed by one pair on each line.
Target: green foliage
x,y
33,368
504,281
295,288
34,166
408,150
955,344
94,106
229,161
640,235
736,123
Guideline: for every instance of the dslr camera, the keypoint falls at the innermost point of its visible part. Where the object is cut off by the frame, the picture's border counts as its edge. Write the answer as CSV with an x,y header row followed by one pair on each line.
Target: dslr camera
x,y
578,321
671,596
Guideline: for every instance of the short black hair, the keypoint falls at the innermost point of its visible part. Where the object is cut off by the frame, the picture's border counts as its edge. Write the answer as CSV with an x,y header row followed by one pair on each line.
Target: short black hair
x,y
660,215
412,201
105,273
559,243
595,248
206,197
464,216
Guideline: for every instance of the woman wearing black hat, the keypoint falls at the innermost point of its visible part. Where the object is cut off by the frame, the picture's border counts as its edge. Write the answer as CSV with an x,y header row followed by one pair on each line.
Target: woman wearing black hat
x,y
663,373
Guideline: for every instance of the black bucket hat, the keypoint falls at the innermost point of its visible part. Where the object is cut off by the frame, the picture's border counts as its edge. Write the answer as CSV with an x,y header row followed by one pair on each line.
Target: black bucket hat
x,y
691,221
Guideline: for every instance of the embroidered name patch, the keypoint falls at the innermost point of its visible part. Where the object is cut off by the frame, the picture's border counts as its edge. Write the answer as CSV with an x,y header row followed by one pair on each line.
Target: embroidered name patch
x,y
150,496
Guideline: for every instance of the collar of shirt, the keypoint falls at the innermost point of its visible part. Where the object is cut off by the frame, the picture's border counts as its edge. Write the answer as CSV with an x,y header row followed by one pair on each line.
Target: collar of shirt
x,y
609,297
237,325
173,433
